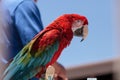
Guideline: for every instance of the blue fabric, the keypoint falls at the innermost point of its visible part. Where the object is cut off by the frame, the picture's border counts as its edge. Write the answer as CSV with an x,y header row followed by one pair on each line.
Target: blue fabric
x,y
24,22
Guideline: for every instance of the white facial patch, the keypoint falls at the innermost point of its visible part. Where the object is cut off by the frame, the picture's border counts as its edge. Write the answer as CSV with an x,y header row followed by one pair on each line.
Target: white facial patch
x,y
77,25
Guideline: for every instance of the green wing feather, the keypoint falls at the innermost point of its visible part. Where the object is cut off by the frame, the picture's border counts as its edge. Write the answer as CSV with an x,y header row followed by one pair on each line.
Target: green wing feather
x,y
25,66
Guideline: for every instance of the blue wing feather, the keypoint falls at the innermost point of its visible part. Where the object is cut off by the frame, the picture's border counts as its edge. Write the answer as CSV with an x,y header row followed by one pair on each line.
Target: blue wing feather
x,y
18,70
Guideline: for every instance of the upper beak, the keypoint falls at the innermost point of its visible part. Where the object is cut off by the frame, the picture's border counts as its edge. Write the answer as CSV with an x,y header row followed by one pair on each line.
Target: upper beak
x,y
85,32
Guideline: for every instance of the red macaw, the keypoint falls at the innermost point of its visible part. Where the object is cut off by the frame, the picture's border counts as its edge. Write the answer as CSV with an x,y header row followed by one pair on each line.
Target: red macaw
x,y
45,48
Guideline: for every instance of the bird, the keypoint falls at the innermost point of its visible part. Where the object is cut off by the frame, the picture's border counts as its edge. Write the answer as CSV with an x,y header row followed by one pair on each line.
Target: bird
x,y
45,48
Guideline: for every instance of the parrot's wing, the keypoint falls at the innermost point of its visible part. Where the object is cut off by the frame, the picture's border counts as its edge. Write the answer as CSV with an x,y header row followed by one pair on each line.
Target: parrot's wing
x,y
35,55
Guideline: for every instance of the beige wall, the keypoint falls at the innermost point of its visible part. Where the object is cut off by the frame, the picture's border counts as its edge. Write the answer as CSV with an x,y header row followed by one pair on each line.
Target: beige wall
x,y
116,28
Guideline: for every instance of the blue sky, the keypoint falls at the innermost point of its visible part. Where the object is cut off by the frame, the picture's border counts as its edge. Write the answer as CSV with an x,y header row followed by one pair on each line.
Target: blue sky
x,y
98,46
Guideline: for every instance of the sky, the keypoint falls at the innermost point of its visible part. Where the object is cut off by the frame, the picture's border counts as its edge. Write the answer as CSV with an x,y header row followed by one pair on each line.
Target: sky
x,y
98,46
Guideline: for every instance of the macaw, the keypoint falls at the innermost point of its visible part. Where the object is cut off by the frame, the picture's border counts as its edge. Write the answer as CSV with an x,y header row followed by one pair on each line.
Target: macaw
x,y
45,48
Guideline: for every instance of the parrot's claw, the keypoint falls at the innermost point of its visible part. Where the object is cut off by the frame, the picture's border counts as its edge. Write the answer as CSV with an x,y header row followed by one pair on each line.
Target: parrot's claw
x,y
50,73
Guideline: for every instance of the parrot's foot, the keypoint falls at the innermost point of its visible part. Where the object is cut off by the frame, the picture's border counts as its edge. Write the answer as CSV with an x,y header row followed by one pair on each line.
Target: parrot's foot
x,y
49,75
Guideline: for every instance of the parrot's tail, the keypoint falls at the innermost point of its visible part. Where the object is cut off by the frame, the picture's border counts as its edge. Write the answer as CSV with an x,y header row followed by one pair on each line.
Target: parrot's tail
x,y
10,72
15,74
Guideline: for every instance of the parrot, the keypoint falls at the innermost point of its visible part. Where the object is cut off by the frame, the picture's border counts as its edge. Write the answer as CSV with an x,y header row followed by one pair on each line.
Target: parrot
x,y
46,47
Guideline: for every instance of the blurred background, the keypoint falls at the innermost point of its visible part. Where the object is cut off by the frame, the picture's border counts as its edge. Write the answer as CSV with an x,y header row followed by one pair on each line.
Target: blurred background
x,y
95,56
98,46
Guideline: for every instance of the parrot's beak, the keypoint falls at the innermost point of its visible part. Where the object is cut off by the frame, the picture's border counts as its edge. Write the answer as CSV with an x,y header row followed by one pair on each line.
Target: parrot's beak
x,y
81,32
85,32
82,40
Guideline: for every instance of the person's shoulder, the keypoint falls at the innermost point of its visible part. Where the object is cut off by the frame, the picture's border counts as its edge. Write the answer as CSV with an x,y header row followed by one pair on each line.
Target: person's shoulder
x,y
13,5
27,4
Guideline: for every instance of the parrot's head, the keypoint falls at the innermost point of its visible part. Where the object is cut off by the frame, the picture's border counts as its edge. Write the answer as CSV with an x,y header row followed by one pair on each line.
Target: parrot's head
x,y
79,25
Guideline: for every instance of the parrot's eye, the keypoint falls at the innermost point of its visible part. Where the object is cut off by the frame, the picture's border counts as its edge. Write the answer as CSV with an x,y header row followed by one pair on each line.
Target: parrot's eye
x,y
78,20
